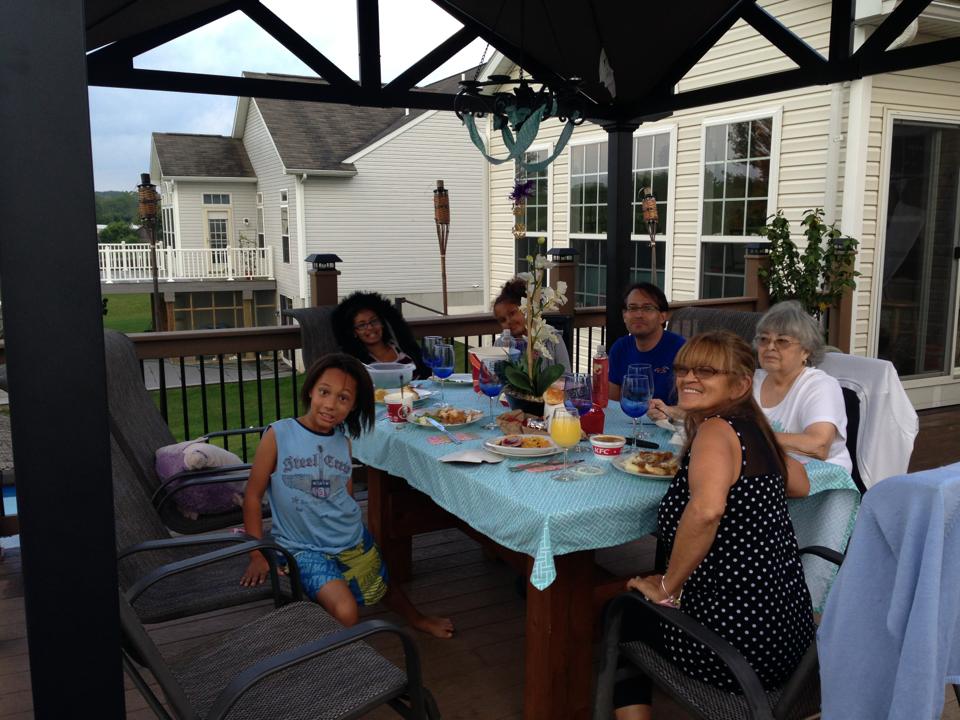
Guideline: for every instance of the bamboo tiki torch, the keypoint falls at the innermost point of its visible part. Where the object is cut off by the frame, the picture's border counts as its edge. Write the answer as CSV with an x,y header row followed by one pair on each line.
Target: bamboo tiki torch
x,y
650,219
441,214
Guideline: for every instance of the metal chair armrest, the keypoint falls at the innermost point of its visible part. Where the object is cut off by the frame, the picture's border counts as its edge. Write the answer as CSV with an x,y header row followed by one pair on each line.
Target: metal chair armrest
x,y
184,541
249,545
269,666
743,674
186,475
230,433
206,479
824,552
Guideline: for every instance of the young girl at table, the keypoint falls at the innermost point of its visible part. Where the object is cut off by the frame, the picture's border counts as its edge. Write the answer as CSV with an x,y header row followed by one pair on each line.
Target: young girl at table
x,y
304,465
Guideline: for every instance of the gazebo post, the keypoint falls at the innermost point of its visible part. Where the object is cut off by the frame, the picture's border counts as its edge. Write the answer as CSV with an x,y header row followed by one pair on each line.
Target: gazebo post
x,y
55,363
619,221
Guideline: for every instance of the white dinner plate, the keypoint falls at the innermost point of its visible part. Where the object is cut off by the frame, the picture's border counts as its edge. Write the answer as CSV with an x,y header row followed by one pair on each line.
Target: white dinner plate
x,y
620,463
416,417
494,446
424,394
461,379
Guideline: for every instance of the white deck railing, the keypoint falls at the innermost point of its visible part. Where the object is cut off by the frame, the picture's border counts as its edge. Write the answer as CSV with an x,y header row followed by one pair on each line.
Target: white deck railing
x,y
131,263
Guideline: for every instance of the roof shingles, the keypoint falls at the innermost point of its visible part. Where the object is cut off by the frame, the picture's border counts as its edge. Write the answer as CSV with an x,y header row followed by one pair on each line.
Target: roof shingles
x,y
183,155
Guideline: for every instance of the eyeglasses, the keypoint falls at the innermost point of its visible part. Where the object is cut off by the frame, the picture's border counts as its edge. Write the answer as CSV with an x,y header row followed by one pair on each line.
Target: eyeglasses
x,y
780,343
701,372
372,324
645,309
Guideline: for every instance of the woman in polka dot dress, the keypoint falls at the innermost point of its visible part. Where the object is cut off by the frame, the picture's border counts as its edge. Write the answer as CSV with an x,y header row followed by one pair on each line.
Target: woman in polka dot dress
x,y
733,561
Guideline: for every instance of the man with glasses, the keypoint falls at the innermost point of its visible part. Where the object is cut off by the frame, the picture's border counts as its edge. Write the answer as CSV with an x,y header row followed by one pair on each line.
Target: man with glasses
x,y
645,314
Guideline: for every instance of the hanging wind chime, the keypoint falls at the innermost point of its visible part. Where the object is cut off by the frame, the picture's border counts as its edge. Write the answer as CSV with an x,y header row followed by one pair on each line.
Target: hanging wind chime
x,y
650,219
441,216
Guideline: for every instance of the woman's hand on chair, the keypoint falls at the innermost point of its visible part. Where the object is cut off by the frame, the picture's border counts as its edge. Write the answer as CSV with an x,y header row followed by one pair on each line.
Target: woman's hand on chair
x,y
648,586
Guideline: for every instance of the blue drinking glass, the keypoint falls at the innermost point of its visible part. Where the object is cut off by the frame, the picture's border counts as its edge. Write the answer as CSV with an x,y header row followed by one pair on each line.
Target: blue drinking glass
x,y
635,395
428,349
491,385
443,358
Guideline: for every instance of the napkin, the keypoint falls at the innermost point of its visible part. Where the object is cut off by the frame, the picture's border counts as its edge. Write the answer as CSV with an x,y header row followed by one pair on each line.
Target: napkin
x,y
473,455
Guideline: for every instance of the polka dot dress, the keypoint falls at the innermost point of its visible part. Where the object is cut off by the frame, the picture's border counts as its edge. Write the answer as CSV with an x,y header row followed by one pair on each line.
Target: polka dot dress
x,y
749,588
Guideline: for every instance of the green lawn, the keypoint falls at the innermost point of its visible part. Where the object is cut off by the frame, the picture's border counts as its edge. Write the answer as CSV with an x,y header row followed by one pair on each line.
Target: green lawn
x,y
232,399
128,313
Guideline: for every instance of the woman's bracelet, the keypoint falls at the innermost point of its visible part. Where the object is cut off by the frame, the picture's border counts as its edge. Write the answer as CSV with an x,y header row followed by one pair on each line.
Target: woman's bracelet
x,y
670,600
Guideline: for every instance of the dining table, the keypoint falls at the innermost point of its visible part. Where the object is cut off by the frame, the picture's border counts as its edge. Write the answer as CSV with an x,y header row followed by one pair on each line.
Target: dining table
x,y
550,530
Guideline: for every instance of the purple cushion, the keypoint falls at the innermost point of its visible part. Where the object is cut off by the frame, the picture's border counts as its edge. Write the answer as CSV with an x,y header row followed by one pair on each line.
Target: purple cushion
x,y
200,499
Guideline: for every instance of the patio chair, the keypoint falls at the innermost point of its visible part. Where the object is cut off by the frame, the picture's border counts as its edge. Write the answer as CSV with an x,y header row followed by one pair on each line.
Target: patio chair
x,y
888,424
797,698
165,578
889,638
295,662
690,321
316,332
140,431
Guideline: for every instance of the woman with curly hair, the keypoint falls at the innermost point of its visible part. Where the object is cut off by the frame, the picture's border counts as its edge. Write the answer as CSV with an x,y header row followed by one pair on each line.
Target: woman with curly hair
x,y
368,327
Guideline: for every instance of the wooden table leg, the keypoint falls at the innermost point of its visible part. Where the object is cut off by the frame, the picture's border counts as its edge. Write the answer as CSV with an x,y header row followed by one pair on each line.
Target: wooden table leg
x,y
397,550
559,637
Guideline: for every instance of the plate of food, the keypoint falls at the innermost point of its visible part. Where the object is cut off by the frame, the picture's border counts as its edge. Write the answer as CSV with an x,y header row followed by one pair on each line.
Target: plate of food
x,y
522,445
461,379
449,417
419,396
656,464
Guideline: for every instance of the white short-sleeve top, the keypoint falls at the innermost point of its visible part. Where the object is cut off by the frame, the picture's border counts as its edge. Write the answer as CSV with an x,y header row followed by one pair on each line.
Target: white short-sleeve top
x,y
814,397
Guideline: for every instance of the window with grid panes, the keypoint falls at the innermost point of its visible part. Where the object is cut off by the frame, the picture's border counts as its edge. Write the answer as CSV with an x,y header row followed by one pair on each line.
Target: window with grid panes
x,y
216,198
285,234
736,189
208,310
651,169
166,223
536,217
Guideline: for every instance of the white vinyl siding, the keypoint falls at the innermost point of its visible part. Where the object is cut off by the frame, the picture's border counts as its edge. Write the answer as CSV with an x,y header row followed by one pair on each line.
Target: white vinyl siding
x,y
192,210
380,221
271,179
536,218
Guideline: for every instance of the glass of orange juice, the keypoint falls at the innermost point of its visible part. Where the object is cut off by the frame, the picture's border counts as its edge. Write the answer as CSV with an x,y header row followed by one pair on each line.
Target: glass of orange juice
x,y
565,431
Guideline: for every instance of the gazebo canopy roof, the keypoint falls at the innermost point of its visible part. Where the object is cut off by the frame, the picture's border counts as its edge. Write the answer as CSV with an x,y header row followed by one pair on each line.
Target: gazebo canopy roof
x,y
648,47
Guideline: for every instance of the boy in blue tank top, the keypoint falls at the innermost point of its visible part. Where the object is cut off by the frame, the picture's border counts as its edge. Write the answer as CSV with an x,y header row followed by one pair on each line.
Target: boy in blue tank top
x,y
304,466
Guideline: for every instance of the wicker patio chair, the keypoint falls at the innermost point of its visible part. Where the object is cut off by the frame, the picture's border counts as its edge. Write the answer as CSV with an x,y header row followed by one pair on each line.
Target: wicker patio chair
x,y
295,662
165,578
798,697
690,321
140,431
316,332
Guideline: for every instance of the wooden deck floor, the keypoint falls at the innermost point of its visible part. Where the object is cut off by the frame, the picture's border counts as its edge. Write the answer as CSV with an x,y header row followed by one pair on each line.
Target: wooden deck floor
x,y
476,676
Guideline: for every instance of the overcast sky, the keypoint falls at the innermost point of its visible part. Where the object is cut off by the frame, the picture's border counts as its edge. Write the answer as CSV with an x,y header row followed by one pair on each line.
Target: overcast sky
x,y
121,120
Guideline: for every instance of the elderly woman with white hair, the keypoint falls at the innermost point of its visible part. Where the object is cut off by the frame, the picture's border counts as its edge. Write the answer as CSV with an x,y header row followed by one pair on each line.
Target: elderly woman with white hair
x,y
804,405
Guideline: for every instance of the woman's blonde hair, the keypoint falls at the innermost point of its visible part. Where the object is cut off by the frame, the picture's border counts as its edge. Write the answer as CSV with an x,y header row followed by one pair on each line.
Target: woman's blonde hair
x,y
731,355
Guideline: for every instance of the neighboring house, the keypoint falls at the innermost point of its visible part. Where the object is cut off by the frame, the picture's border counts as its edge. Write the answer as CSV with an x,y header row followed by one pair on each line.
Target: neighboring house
x,y
298,178
880,155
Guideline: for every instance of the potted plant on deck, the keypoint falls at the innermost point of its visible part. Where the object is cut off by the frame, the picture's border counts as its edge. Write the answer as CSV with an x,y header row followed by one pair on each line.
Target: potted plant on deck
x,y
818,275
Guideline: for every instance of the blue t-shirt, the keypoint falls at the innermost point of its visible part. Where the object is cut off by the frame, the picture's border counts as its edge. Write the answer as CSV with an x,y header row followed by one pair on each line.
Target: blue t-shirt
x,y
624,353
311,507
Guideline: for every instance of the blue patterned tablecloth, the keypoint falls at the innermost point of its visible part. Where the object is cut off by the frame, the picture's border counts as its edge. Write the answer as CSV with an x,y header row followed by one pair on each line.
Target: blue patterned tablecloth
x,y
534,514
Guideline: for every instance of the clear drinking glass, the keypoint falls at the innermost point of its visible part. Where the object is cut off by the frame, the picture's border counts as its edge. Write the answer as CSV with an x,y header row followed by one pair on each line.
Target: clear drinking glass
x,y
565,431
635,395
443,358
491,384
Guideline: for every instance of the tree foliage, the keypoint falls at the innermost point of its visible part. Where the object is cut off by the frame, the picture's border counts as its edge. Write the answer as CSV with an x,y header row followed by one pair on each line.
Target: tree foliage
x,y
816,276
113,205
119,231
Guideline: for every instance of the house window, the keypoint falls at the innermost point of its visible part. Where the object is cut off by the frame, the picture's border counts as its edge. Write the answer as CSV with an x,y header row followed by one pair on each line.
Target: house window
x,y
285,234
283,196
265,307
736,197
588,212
168,236
259,199
260,236
216,198
208,310
537,214
285,304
